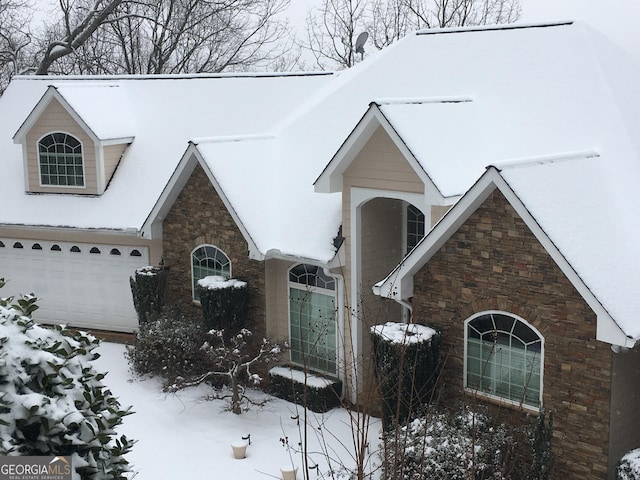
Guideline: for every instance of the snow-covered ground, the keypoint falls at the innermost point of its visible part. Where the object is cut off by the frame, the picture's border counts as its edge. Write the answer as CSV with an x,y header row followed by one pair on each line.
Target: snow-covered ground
x,y
182,435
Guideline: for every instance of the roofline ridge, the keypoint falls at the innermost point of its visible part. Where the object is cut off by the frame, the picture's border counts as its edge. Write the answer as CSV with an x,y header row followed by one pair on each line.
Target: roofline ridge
x,y
174,76
421,100
503,26
545,159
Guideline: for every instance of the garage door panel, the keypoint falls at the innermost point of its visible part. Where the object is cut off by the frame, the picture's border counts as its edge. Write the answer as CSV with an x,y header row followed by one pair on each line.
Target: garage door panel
x,y
75,286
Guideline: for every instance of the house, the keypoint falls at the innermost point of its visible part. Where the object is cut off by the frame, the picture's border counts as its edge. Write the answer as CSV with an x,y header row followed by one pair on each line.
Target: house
x,y
313,187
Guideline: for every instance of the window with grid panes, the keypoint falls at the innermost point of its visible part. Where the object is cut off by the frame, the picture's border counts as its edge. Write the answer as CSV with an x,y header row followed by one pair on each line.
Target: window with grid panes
x,y
312,318
504,358
60,159
206,261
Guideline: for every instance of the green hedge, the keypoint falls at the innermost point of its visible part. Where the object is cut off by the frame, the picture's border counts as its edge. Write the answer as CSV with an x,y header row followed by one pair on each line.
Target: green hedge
x,y
321,394
224,303
147,288
406,362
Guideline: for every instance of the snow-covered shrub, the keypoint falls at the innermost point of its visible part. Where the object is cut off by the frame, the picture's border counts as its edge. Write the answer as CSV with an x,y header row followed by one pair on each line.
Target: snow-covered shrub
x,y
168,347
52,400
406,362
629,466
224,303
147,287
455,445
317,393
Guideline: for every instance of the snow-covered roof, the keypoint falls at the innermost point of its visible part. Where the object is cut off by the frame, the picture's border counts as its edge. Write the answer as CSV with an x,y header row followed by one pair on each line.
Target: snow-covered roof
x,y
504,93
573,205
161,113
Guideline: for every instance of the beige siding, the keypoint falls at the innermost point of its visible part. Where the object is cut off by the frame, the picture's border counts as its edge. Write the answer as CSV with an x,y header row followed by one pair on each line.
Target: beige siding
x,y
382,166
277,293
437,212
112,156
625,414
87,237
56,119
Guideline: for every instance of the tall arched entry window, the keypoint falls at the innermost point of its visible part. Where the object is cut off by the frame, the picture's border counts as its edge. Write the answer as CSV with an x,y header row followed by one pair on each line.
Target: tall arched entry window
x,y
207,260
504,358
312,318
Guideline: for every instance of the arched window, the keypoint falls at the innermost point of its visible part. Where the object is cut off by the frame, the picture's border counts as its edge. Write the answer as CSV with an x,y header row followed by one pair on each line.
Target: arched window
x,y
504,358
208,260
60,157
312,318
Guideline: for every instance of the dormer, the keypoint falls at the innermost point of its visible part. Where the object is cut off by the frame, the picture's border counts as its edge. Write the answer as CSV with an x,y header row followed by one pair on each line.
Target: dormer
x,y
72,141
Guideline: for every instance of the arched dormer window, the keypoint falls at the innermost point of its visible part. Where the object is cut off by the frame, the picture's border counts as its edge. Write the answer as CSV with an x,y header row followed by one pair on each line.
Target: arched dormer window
x,y
504,358
313,318
207,260
60,160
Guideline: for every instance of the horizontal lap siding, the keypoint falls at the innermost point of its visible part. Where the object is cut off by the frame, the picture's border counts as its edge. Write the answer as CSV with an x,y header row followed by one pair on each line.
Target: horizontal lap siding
x,y
381,165
56,119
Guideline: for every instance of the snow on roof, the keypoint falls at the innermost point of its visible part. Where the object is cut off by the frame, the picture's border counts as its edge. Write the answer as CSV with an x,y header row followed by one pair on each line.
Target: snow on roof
x,y
105,107
589,210
163,112
450,134
534,91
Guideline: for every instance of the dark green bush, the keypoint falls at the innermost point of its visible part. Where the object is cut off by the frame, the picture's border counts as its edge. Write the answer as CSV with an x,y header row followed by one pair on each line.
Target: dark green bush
x,y
406,363
147,288
224,303
169,347
319,395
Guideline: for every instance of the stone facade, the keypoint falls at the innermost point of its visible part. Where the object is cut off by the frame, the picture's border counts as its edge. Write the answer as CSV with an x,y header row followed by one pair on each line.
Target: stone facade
x,y
199,217
494,262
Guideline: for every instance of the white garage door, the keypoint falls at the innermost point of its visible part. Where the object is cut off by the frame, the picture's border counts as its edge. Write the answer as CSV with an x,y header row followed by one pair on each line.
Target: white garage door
x,y
78,284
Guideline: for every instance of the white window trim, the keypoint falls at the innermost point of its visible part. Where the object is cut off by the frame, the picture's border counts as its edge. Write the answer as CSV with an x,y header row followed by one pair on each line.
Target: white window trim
x,y
59,187
498,398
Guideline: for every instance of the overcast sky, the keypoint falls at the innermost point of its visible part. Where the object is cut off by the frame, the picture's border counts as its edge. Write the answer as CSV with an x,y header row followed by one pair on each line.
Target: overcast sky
x,y
618,19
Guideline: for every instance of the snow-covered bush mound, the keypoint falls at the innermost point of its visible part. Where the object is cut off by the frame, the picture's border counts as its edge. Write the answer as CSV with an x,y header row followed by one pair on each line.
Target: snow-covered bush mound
x,y
456,445
52,400
629,466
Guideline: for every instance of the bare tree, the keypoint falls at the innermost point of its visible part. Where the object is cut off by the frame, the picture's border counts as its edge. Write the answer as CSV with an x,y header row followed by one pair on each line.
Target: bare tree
x,y
78,25
166,36
333,28
15,39
331,32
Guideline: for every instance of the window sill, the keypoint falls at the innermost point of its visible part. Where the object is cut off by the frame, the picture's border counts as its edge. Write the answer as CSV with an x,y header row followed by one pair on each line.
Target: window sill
x,y
501,402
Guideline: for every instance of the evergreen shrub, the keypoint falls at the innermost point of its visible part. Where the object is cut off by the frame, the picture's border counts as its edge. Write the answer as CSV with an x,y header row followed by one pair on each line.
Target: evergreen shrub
x,y
147,288
406,363
316,392
457,445
224,303
169,347
52,399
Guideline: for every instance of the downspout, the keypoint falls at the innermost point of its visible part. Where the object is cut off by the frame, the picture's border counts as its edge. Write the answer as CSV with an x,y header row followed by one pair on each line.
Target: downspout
x,y
340,327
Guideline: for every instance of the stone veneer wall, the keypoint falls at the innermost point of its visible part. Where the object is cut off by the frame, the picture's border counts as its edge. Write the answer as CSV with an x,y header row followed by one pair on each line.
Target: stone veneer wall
x,y
199,217
493,262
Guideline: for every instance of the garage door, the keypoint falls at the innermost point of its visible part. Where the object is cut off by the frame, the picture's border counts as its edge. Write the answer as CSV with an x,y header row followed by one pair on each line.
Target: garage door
x,y
78,284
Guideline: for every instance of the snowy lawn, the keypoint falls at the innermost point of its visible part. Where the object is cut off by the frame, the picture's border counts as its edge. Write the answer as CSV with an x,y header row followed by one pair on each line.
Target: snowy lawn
x,y
182,435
